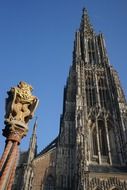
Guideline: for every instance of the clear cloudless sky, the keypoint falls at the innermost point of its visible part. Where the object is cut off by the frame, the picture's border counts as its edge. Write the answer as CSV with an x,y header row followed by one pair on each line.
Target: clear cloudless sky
x,y
36,44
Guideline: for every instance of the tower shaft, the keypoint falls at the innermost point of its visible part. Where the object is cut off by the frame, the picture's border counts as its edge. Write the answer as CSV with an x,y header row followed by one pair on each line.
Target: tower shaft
x,y
92,134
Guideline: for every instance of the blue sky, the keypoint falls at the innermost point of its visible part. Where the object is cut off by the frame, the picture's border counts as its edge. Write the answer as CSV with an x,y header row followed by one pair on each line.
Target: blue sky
x,y
36,44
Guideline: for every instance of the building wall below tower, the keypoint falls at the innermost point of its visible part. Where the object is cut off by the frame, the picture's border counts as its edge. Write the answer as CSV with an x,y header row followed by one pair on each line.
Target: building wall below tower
x,y
44,171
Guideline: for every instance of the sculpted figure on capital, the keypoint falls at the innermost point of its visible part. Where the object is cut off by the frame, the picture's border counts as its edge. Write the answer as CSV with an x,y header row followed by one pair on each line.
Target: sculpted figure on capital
x,y
20,104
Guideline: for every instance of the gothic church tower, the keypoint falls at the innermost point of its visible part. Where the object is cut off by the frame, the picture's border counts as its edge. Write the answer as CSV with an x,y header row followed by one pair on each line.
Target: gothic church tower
x,y
92,142
90,152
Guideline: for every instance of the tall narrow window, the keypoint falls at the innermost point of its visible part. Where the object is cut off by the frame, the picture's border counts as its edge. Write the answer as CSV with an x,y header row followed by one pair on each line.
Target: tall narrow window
x,y
112,141
103,92
100,48
90,91
93,96
94,142
91,51
102,138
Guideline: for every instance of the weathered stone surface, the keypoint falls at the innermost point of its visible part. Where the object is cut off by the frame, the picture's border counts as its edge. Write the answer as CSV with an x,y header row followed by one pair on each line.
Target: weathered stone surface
x,y
44,170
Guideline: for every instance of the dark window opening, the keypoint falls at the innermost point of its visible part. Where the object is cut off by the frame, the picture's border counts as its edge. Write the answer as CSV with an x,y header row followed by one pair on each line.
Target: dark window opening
x,y
49,184
102,138
94,142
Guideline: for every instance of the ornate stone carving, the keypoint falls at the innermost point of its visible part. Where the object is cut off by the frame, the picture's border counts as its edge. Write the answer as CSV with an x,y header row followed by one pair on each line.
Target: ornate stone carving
x,y
20,107
112,183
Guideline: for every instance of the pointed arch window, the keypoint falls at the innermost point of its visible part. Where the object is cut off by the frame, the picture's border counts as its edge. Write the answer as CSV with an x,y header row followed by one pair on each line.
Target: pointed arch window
x,y
49,184
102,138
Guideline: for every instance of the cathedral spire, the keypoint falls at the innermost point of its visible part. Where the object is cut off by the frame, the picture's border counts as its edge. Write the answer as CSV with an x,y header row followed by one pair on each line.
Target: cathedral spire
x,y
86,26
32,152
33,143
34,127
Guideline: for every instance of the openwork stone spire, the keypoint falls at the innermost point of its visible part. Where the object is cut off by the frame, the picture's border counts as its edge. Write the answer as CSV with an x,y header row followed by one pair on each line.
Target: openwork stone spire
x,y
86,26
89,47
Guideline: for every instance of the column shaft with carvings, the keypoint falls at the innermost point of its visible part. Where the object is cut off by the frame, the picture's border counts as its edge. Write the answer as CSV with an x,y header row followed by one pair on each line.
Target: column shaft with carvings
x,y
20,107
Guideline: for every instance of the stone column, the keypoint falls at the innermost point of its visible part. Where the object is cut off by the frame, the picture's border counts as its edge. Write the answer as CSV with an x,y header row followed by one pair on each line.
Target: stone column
x,y
13,171
20,107
9,166
5,154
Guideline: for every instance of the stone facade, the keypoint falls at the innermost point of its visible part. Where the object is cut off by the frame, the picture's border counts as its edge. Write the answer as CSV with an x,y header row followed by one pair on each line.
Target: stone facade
x,y
44,171
90,152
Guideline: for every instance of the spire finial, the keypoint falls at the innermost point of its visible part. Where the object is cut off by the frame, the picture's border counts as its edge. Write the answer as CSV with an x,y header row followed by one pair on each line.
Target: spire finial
x,y
86,26
85,10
